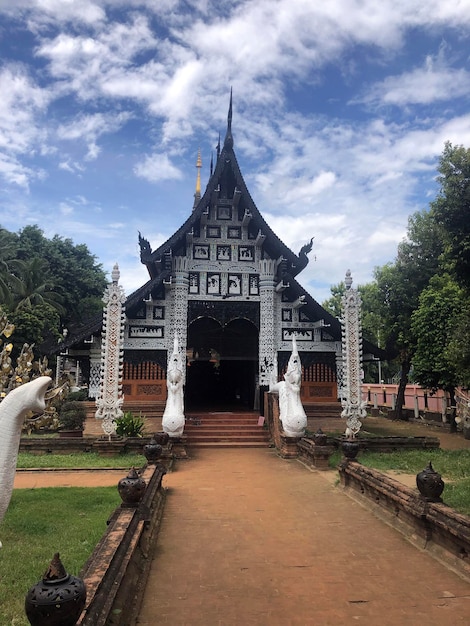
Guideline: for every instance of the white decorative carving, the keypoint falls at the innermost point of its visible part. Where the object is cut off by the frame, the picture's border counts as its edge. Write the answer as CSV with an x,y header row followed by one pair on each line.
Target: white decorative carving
x,y
110,399
353,405
179,311
292,414
13,409
268,326
173,417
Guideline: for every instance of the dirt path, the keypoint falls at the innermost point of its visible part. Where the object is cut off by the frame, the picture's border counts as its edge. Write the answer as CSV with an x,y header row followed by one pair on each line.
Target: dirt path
x,y
248,538
25,479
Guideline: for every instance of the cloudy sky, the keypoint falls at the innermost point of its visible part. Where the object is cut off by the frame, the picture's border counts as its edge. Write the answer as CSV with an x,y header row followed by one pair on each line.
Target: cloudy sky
x,y
341,110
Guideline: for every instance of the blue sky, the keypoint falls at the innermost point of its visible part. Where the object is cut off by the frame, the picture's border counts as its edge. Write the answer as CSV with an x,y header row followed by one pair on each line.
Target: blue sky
x,y
341,110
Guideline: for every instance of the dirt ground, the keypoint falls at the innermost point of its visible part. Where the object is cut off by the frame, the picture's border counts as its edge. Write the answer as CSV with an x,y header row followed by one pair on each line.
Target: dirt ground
x,y
33,479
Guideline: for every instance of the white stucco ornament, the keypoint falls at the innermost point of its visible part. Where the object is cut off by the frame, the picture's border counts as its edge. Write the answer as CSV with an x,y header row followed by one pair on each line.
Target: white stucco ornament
x,y
13,409
292,414
173,417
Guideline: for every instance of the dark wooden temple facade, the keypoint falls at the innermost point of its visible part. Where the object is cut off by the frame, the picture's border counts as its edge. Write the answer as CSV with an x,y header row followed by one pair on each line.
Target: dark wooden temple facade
x,y
225,285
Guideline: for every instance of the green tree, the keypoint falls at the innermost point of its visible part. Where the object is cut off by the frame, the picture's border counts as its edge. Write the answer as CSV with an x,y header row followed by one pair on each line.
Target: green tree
x,y
35,324
78,279
33,285
451,209
7,253
433,325
399,285
458,349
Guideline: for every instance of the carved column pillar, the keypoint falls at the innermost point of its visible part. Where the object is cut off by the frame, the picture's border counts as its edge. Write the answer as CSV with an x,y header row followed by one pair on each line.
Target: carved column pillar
x,y
268,326
353,405
179,319
340,375
110,399
95,371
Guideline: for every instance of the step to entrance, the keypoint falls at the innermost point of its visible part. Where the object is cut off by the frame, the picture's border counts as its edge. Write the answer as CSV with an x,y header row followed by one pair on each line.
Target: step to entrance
x,y
225,429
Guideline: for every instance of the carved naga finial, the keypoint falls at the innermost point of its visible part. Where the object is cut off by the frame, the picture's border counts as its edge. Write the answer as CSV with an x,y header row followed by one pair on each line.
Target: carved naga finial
x,y
303,258
145,249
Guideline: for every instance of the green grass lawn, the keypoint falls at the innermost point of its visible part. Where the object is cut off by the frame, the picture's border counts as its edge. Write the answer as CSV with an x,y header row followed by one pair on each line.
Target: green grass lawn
x,y
40,522
453,465
82,460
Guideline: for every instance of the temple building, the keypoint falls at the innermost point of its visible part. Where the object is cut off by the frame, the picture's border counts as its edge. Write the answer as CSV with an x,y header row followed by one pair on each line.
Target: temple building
x,y
225,284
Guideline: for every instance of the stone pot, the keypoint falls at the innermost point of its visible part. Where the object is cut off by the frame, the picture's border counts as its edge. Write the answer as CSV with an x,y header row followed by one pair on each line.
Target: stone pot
x,y
56,600
319,438
152,451
162,438
430,484
350,448
131,489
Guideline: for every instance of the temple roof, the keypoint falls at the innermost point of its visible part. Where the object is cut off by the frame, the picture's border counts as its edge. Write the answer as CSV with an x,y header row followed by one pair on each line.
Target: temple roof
x,y
226,182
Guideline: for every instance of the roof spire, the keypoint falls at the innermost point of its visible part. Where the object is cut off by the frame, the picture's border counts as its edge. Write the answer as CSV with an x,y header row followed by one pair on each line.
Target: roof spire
x,y
228,142
197,195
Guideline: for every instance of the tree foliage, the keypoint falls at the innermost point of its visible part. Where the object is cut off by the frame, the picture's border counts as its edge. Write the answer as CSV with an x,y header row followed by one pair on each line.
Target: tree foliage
x,y
47,284
433,325
451,209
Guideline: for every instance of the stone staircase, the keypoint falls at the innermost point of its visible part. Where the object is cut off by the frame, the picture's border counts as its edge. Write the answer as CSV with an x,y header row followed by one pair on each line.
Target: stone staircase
x,y
225,429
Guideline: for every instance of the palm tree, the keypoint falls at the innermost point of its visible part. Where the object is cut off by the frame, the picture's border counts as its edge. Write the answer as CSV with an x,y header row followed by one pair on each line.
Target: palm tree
x,y
30,285
7,253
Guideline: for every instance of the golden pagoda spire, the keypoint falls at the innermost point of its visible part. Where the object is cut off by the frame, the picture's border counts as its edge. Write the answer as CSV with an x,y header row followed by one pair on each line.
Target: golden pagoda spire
x,y
197,195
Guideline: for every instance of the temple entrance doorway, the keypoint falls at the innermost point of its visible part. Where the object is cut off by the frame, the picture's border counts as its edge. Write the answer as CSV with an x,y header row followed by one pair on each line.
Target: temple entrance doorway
x,y
222,365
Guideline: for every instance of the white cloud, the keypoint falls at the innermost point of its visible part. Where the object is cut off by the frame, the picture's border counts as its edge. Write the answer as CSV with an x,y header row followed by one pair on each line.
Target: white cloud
x,y
157,167
52,11
65,209
89,128
435,81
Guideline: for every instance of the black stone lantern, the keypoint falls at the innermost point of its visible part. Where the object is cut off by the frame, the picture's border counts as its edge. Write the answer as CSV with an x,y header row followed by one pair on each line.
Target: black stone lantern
x,y
320,438
131,489
153,451
430,484
162,438
350,448
56,600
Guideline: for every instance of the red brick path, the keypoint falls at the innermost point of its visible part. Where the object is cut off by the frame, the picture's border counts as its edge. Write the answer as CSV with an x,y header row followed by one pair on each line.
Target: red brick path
x,y
250,539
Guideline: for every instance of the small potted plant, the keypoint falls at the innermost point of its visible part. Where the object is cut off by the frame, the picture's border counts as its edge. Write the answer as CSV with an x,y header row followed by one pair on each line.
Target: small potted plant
x,y
72,417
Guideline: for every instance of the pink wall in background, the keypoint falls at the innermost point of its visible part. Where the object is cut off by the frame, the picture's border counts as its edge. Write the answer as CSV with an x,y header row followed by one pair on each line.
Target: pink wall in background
x,y
385,393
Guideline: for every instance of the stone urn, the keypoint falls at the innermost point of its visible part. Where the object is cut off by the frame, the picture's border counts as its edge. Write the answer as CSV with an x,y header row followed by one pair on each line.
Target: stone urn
x,y
430,484
319,438
350,448
162,438
153,451
131,489
56,600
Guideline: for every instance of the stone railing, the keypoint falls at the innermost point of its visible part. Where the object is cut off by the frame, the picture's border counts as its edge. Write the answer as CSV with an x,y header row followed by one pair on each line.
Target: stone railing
x,y
116,573
432,526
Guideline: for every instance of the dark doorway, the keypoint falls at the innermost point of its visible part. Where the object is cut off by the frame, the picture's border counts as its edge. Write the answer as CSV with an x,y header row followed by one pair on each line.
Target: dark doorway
x,y
222,365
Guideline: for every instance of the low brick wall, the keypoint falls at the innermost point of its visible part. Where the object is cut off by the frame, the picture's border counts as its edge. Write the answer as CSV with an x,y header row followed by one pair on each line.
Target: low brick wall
x,y
55,445
392,444
117,571
314,455
434,527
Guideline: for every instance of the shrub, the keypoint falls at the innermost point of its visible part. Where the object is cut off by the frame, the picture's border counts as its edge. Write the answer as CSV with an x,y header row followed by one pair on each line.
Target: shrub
x,y
72,416
81,394
130,425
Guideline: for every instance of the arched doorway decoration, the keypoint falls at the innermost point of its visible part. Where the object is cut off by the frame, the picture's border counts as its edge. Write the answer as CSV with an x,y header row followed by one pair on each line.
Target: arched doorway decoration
x,y
222,364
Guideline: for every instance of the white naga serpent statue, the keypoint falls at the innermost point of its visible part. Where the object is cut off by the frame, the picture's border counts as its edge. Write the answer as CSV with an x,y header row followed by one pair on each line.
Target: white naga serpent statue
x,y
13,409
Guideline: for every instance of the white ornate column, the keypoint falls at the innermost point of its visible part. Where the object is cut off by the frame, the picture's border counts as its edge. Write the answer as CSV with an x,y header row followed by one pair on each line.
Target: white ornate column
x,y
110,398
353,406
179,321
268,327
94,383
